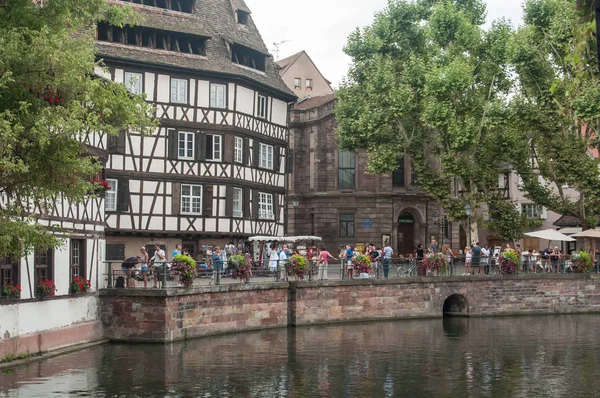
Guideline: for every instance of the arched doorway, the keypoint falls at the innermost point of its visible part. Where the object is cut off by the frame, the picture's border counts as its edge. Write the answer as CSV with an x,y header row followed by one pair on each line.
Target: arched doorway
x,y
406,233
456,305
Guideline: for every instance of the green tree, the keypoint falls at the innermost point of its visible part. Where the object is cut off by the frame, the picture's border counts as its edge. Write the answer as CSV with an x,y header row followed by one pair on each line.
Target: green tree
x,y
50,100
556,110
429,82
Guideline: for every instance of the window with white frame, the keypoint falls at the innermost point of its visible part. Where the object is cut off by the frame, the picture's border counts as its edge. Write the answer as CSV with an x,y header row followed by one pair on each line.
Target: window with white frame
x,y
191,199
265,206
237,202
265,158
133,82
186,145
309,85
297,82
110,197
532,211
179,91
218,96
214,148
261,112
238,150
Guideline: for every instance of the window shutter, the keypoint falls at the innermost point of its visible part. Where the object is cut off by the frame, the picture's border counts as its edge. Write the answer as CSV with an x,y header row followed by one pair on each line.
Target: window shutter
x,y
246,202
173,90
207,194
200,146
246,152
255,153
290,161
276,158
229,201
172,144
255,204
227,148
176,198
276,207
123,195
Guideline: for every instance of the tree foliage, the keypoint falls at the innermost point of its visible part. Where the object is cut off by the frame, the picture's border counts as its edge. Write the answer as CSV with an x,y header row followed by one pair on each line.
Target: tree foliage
x,y
50,100
429,82
556,110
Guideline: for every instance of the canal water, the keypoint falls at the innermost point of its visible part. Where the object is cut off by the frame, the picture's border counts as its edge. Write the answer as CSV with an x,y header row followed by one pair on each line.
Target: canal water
x,y
542,356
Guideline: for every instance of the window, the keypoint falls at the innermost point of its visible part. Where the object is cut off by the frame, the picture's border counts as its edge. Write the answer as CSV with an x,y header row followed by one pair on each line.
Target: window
x,y
179,91
133,82
115,252
265,158
110,197
218,96
186,145
77,258
248,57
186,6
238,150
261,112
42,262
237,202
346,225
309,85
398,175
265,206
242,17
297,82
346,172
8,270
532,211
213,148
191,199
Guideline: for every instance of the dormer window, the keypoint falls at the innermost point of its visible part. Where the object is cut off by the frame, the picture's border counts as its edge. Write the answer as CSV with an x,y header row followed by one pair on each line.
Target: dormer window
x,y
186,6
242,17
247,57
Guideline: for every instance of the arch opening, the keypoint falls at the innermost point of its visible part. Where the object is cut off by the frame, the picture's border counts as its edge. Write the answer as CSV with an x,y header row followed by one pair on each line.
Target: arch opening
x,y
456,305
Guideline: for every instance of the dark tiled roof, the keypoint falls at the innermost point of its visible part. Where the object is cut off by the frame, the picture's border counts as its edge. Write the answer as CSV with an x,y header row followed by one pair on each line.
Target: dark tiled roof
x,y
315,102
567,221
284,63
211,18
240,5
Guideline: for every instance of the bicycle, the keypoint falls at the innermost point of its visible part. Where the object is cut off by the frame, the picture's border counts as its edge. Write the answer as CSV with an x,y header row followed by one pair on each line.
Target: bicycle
x,y
406,268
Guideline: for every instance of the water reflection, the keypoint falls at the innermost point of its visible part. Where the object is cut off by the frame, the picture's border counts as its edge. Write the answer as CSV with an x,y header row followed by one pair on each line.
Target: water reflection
x,y
548,356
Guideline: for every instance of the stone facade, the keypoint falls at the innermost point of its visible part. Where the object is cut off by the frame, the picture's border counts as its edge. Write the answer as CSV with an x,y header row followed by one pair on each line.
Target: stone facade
x,y
175,314
379,206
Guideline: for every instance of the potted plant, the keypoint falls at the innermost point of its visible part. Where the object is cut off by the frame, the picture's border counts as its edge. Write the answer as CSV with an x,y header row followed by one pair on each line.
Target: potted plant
x,y
435,262
362,263
45,288
297,266
80,285
240,266
185,266
11,290
100,186
508,262
581,262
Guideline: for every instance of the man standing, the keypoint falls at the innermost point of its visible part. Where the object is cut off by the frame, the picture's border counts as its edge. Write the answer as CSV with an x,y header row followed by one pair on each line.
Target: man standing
x,y
176,252
157,260
485,256
387,258
433,247
476,257
283,256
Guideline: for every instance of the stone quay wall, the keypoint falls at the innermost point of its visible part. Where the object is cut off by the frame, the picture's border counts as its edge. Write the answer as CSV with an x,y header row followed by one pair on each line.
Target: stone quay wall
x,y
175,314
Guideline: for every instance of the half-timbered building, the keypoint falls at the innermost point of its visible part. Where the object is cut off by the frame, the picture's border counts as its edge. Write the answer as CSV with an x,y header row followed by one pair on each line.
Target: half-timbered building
x,y
214,171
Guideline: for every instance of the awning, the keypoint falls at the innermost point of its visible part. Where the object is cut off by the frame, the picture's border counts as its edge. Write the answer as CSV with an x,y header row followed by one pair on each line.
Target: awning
x,y
570,230
590,233
551,234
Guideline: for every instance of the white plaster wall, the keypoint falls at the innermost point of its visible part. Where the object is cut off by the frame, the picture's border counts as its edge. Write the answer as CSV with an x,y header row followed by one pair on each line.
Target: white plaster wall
x,y
203,93
245,100
149,83
98,71
230,96
25,318
279,112
164,88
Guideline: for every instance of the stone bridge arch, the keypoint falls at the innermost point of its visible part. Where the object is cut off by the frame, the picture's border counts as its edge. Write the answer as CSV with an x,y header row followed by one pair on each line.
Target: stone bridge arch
x,y
456,305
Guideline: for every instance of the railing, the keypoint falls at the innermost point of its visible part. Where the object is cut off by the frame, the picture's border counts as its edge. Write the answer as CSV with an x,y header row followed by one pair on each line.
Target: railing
x,y
278,271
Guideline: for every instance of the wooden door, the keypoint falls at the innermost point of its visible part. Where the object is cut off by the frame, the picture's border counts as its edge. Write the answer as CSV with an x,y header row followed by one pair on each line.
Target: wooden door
x,y
406,234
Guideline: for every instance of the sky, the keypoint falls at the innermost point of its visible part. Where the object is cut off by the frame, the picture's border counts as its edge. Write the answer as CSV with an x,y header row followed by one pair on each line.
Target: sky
x,y
321,27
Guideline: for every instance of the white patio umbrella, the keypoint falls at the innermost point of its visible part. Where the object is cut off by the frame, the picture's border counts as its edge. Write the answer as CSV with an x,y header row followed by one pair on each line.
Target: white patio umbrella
x,y
551,234
590,233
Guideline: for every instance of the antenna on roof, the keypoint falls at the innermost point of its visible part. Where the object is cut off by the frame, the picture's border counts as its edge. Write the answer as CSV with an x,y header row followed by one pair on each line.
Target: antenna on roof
x,y
277,45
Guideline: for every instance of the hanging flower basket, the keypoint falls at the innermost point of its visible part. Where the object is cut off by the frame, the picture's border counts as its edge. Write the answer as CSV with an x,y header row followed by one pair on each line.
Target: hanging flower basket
x,y
11,290
185,266
581,262
362,263
80,285
45,288
297,266
240,266
435,262
508,262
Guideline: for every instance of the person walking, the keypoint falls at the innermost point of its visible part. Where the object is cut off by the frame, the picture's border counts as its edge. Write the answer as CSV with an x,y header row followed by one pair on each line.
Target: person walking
x,y
387,258
323,260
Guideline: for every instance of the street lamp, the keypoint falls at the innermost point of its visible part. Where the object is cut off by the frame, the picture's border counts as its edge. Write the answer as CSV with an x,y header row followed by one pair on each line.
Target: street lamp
x,y
296,201
468,211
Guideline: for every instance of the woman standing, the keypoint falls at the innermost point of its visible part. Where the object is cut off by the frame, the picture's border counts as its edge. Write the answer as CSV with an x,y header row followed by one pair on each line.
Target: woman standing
x,y
324,257
468,258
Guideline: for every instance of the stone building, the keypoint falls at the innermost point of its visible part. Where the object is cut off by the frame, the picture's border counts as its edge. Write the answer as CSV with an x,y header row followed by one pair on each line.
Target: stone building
x,y
214,171
336,200
301,75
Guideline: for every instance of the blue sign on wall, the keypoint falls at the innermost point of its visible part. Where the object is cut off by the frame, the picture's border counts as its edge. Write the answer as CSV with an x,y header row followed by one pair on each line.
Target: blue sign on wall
x,y
367,223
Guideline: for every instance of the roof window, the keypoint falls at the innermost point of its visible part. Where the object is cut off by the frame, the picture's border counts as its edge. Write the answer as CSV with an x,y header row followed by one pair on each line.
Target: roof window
x,y
248,57
242,17
186,6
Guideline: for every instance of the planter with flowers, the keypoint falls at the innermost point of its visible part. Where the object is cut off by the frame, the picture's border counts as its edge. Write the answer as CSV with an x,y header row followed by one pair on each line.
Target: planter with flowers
x,y
10,291
45,288
581,262
80,285
362,263
240,266
185,267
435,262
508,262
100,187
297,266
